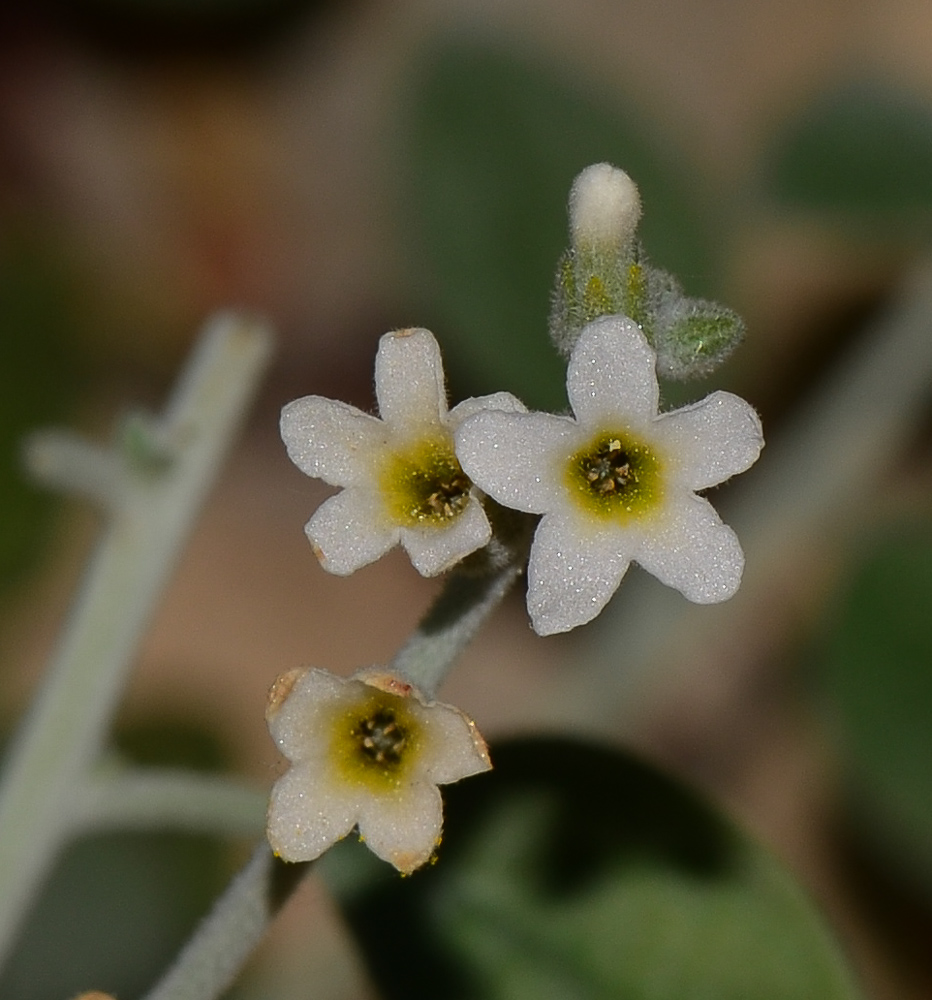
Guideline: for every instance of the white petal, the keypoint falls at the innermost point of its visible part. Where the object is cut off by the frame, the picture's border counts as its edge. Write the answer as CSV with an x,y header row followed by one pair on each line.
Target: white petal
x,y
572,573
476,404
612,373
331,440
455,749
403,828
517,458
409,380
711,440
307,814
350,530
299,722
692,550
435,548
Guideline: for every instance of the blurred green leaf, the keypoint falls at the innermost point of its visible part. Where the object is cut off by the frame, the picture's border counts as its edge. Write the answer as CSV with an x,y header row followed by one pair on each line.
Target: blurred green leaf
x,y
119,906
862,149
492,146
117,910
578,873
39,381
877,668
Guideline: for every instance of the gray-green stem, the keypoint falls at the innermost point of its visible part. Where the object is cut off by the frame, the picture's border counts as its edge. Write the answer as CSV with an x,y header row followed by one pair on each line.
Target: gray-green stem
x,y
131,798
456,616
220,946
152,514
473,590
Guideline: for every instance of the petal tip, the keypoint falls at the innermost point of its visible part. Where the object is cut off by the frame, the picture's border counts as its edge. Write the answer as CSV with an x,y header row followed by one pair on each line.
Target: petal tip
x,y
408,862
280,689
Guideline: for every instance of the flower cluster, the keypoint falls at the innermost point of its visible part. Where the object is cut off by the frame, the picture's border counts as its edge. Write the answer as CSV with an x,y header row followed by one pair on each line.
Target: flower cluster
x,y
617,482
614,482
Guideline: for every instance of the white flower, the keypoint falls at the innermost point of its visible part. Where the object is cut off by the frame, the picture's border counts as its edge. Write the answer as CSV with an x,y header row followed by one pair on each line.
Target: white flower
x,y
617,483
402,480
366,751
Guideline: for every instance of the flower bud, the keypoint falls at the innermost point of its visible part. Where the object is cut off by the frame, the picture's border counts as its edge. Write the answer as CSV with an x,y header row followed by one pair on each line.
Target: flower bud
x,y
605,272
605,207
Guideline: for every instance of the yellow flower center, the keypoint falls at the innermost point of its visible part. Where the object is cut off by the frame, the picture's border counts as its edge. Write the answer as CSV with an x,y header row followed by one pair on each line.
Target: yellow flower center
x,y
424,484
615,476
373,744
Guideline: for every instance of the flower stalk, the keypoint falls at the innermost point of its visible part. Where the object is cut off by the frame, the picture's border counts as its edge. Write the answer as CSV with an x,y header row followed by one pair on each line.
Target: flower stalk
x,y
449,626
219,948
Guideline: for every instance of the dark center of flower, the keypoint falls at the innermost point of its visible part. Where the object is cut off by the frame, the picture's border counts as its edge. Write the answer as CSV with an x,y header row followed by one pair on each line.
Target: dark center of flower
x,y
616,475
449,496
608,470
425,484
380,737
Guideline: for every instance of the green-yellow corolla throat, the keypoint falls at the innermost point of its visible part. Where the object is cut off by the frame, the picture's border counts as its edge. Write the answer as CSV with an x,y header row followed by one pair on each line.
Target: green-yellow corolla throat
x,y
373,744
424,484
616,476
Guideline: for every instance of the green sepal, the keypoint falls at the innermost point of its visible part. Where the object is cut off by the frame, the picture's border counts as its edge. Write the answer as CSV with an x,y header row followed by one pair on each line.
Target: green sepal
x,y
692,337
593,282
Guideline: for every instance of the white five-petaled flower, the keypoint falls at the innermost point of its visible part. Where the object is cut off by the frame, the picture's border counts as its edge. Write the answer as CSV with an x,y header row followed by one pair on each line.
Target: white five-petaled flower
x,y
617,483
366,751
402,480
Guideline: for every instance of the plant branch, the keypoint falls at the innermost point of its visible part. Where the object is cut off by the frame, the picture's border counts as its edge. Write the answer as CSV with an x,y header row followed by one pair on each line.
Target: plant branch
x,y
61,460
221,945
62,734
469,596
136,798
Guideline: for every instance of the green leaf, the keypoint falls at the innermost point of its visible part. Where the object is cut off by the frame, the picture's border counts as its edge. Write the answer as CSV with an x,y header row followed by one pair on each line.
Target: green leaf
x,y
116,911
580,873
862,149
877,669
491,147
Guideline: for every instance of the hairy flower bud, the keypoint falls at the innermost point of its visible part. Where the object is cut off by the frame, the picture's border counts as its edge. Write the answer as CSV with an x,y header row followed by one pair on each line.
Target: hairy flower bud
x,y
605,208
605,272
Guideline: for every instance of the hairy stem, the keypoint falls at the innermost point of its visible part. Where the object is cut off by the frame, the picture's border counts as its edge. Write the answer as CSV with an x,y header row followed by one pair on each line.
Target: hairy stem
x,y
219,948
449,626
62,734
147,799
